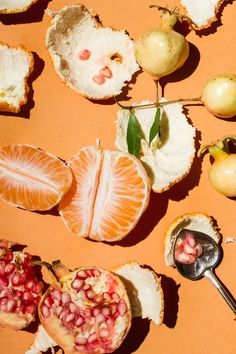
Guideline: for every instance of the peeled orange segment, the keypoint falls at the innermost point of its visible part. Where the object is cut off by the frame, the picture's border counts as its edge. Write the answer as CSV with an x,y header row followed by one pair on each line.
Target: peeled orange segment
x,y
202,13
110,193
14,6
31,178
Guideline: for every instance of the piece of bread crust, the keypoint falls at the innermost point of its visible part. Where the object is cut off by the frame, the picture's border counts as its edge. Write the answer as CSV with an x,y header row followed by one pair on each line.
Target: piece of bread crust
x,y
198,221
15,10
5,106
142,285
81,16
206,24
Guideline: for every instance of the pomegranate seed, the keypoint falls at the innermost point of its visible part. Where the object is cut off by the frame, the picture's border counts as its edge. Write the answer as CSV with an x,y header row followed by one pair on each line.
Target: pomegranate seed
x,y
3,300
77,284
99,79
100,318
96,311
58,310
92,338
87,313
56,294
11,305
80,321
190,239
8,257
87,287
189,250
106,71
90,294
84,54
18,293
27,296
19,309
98,298
81,274
106,311
104,333
115,297
110,322
106,297
36,300
2,268
3,244
65,298
30,284
37,288
17,279
70,317
122,307
45,311
64,314
73,307
113,309
32,309
80,348
198,249
96,272
57,302
27,257
80,341
4,282
10,268
48,301
89,272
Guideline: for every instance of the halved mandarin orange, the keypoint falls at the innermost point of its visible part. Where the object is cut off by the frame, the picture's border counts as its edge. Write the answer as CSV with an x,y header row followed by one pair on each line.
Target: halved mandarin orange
x,y
108,196
31,178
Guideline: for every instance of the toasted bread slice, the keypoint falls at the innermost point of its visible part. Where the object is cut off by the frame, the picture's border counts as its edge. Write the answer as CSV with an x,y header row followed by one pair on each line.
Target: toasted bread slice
x,y
16,64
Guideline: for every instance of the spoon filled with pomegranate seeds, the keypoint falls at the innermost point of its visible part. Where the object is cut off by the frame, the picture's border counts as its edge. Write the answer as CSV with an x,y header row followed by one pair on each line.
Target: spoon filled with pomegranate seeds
x,y
195,256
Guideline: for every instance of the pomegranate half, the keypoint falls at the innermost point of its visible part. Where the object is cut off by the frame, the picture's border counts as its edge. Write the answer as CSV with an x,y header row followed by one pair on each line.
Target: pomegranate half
x,y
20,290
86,311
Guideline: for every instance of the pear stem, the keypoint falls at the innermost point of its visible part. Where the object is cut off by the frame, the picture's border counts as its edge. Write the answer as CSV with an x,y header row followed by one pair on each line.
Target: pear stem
x,y
159,104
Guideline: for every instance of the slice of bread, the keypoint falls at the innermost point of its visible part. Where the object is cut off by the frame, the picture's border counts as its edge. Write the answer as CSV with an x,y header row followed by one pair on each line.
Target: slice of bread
x,y
15,6
168,159
108,63
16,64
202,13
144,291
196,221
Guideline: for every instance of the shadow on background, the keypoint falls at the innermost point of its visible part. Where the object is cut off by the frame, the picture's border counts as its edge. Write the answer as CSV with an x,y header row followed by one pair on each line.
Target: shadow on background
x,y
33,14
26,108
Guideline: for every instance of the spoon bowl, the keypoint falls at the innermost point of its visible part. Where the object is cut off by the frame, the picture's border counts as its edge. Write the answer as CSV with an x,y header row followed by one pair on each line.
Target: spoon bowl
x,y
200,255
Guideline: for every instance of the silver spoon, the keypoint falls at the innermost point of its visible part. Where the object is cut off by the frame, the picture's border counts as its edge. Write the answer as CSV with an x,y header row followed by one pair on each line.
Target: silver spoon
x,y
204,264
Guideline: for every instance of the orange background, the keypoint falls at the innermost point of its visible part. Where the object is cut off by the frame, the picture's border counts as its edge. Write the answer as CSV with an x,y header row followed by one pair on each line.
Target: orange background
x,y
60,121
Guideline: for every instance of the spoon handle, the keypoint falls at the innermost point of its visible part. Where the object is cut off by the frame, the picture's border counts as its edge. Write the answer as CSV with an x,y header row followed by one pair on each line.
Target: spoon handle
x,y
219,286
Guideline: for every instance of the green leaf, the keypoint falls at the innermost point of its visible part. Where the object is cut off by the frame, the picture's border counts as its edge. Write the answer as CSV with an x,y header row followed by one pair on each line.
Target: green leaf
x,y
155,128
134,135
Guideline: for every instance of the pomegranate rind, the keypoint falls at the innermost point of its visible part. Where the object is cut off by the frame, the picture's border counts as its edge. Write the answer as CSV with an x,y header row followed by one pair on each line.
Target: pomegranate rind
x,y
16,66
27,173
196,221
110,192
42,342
203,14
169,158
60,334
15,6
73,29
146,301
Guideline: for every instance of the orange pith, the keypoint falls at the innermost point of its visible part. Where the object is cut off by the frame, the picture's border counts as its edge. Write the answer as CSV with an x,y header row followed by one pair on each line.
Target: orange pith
x,y
110,192
31,178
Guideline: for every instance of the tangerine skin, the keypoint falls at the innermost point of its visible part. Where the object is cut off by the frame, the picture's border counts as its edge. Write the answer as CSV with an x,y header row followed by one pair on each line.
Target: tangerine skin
x,y
219,95
161,51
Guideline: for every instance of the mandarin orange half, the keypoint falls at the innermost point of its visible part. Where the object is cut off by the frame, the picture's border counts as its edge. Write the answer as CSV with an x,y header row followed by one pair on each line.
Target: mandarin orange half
x,y
31,178
109,194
